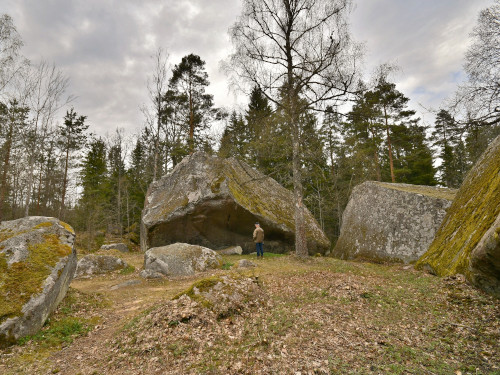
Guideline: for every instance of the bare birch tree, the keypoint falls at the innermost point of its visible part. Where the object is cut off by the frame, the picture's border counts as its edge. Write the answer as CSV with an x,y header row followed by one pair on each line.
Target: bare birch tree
x,y
300,54
157,86
44,90
479,96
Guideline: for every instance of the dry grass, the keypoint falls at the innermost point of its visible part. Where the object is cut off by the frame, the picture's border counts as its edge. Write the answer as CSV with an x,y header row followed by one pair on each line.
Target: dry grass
x,y
323,316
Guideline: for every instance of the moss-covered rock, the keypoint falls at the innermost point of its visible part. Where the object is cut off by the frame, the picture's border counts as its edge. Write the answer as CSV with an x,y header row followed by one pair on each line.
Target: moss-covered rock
x,y
226,294
180,259
37,263
391,222
215,202
467,241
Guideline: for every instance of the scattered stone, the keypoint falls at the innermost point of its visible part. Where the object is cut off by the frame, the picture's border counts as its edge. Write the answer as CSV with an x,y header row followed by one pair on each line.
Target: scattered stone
x,y
181,259
391,222
214,202
125,284
98,264
233,250
468,240
245,263
118,246
149,274
37,264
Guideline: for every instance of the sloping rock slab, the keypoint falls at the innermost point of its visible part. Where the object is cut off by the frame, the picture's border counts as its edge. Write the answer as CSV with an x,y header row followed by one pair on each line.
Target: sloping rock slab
x,y
180,259
215,202
37,264
467,241
98,264
391,222
117,246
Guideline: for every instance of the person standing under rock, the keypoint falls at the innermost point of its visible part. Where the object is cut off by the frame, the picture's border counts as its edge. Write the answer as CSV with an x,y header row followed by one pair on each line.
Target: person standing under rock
x,y
258,238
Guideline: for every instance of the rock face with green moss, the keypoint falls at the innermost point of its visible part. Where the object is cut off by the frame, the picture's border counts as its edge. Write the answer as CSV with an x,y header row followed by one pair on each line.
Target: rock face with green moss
x,y
37,264
180,259
468,240
215,203
391,222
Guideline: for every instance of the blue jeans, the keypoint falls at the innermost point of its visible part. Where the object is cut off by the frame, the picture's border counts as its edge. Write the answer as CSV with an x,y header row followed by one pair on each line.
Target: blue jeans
x,y
260,248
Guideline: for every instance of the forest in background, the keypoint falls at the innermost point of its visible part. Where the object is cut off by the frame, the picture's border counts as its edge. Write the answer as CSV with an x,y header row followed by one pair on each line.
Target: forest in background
x,y
55,166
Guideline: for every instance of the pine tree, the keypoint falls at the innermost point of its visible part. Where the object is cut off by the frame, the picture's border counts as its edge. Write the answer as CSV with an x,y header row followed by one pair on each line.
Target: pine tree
x,y
72,138
187,88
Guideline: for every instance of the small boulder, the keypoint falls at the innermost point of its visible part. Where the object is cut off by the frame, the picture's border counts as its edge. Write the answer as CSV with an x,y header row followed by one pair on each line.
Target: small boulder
x,y
391,222
37,264
149,274
98,264
181,259
468,240
245,263
233,250
117,246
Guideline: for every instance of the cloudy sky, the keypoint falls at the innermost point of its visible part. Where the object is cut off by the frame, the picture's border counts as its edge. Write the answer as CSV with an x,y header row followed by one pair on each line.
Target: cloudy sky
x,y
105,46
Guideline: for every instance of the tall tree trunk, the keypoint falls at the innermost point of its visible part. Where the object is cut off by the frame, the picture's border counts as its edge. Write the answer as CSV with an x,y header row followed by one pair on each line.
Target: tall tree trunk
x,y
300,228
377,166
389,145
39,190
157,140
191,122
3,191
65,178
292,104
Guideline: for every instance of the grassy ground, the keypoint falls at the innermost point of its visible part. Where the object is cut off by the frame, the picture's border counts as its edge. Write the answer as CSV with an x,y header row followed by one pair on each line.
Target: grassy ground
x,y
323,316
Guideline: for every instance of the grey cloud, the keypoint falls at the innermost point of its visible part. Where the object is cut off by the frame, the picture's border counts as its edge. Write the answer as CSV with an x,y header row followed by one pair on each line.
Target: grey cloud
x,y
105,46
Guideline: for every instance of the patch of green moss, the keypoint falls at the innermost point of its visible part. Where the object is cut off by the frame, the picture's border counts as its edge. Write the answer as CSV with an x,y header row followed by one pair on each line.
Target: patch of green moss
x,y
475,208
202,285
43,225
67,227
21,280
215,186
430,191
5,234
171,206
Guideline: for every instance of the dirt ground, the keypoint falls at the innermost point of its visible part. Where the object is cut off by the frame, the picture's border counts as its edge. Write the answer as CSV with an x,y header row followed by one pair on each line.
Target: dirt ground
x,y
322,316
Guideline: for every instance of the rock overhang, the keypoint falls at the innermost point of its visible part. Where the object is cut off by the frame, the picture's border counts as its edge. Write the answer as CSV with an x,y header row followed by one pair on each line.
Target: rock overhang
x,y
218,201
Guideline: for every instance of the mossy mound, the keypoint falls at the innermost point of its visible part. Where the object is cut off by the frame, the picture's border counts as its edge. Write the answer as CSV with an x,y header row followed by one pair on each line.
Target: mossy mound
x,y
226,294
472,214
215,202
37,263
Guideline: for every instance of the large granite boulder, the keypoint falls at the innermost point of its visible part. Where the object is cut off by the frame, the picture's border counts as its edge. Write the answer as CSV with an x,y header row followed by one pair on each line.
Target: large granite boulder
x,y
37,264
179,259
468,240
98,264
391,222
215,202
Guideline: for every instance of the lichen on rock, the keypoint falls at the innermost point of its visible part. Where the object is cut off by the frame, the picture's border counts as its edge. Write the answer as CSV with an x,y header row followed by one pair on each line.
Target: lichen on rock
x,y
471,217
391,222
37,262
215,202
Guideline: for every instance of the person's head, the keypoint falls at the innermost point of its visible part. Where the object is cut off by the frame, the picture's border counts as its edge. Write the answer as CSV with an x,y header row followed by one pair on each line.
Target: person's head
x,y
257,225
